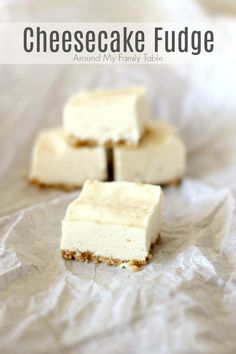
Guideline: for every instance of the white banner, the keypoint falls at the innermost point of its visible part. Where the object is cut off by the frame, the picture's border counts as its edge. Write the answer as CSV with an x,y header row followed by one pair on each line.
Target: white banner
x,y
110,43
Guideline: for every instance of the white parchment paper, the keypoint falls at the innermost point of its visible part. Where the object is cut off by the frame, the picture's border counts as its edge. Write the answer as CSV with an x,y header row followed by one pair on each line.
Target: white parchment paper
x,y
184,301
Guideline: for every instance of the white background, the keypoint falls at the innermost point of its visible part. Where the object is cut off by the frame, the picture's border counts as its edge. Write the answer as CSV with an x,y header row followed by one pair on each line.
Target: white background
x,y
184,301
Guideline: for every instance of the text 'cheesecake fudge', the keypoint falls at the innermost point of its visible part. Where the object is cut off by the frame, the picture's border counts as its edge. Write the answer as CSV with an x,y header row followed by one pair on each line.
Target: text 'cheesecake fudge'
x,y
106,117
160,158
56,163
113,223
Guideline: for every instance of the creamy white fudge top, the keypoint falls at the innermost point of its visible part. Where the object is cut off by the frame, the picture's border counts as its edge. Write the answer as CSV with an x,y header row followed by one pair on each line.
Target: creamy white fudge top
x,y
107,116
123,203
158,134
52,141
54,161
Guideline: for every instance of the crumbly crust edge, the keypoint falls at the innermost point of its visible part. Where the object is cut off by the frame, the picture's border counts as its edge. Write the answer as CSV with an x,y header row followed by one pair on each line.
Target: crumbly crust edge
x,y
175,183
88,257
62,186
71,187
76,142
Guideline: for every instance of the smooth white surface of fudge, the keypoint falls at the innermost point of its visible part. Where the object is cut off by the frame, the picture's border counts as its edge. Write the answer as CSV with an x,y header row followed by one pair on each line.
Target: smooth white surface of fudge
x,y
160,158
106,116
116,220
55,162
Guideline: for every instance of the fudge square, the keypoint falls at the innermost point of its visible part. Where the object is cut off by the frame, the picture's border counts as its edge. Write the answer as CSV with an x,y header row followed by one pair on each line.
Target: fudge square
x,y
160,157
106,117
56,163
112,222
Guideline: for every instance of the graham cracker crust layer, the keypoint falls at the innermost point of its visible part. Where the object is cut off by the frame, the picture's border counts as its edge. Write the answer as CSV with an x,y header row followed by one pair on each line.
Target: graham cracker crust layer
x,y
62,186
71,187
88,257
76,142
175,183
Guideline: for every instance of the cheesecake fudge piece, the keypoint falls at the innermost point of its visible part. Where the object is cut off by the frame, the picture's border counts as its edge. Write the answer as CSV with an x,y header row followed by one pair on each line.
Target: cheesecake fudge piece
x,y
106,117
160,158
112,222
55,163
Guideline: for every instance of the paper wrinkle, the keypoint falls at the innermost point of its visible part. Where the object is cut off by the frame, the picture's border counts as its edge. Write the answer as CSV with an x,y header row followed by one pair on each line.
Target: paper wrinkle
x,y
180,286
184,300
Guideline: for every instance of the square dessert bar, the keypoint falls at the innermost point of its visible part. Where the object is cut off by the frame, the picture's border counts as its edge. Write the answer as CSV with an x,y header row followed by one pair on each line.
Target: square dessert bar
x,y
160,158
106,117
56,163
112,222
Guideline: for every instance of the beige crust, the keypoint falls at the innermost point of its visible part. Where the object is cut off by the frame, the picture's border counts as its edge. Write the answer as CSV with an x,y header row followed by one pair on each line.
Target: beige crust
x,y
175,183
75,142
65,187
87,257
71,187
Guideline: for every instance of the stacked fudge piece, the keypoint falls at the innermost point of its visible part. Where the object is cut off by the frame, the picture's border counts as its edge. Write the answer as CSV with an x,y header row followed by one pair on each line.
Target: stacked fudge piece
x,y
104,131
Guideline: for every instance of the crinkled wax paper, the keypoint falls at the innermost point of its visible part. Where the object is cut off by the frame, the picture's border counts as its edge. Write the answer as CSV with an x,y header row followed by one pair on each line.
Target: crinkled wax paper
x,y
184,301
